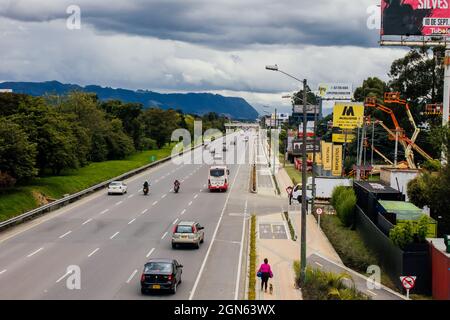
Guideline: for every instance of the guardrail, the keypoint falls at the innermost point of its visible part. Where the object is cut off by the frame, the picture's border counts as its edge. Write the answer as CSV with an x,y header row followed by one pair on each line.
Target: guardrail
x,y
71,198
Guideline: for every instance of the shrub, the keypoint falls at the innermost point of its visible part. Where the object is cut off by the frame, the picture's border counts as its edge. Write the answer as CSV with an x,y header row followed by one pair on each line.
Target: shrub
x,y
148,144
343,200
432,165
402,234
252,262
336,195
322,285
422,228
6,181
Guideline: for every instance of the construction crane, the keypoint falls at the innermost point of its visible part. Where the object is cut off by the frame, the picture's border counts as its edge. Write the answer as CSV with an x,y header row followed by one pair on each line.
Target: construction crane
x,y
394,97
399,134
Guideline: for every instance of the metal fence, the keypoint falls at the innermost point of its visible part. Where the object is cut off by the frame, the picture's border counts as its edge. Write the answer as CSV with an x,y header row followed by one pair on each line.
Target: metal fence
x,y
76,196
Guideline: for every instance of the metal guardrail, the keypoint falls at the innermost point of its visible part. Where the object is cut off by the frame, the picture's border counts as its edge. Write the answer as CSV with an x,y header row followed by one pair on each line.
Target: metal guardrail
x,y
71,198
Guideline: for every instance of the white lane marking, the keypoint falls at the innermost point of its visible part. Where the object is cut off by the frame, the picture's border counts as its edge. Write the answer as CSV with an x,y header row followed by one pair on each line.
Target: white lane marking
x,y
144,211
150,253
65,275
204,186
195,197
163,196
170,190
104,211
132,221
132,276
33,253
182,212
115,234
238,277
87,221
154,203
371,292
194,288
190,203
65,234
320,265
118,203
3,271
164,235
93,252
131,195
175,221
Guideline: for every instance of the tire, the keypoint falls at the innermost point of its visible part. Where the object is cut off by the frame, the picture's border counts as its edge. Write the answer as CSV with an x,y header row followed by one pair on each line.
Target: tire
x,y
174,289
174,246
197,245
203,239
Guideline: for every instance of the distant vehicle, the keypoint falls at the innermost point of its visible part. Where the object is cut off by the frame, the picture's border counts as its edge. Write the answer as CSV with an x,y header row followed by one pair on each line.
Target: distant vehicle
x,y
212,151
161,274
188,233
324,187
224,149
218,178
117,187
246,139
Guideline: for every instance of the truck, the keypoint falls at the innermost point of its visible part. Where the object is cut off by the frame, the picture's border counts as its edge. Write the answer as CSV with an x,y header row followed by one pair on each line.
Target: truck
x,y
324,187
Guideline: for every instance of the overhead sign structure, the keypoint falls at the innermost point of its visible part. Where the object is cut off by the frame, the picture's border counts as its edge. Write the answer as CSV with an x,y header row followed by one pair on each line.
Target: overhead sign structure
x,y
415,18
348,115
337,160
336,91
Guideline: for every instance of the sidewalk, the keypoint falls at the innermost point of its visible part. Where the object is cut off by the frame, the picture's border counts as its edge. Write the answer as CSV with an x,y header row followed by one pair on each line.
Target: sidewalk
x,y
275,244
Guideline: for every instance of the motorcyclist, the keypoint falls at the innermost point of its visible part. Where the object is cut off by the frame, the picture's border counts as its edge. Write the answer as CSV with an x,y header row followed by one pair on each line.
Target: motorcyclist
x,y
146,186
176,185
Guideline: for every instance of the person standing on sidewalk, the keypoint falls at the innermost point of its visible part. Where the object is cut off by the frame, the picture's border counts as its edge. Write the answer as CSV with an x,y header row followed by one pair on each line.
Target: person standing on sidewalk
x,y
265,272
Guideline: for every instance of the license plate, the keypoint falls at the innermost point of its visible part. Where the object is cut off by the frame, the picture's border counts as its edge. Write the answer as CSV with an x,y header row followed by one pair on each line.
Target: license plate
x,y
184,237
156,286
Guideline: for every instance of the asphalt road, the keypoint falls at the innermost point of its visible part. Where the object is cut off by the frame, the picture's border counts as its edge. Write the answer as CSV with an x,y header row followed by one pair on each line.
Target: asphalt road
x,y
111,237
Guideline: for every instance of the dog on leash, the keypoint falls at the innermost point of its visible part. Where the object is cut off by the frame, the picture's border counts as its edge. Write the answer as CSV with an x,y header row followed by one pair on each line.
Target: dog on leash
x,y
270,288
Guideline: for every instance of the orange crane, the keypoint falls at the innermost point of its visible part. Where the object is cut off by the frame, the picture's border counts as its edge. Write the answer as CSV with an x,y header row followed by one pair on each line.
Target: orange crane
x,y
399,132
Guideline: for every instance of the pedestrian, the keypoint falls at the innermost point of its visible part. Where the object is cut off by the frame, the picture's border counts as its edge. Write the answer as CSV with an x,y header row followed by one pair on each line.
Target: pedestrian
x,y
265,272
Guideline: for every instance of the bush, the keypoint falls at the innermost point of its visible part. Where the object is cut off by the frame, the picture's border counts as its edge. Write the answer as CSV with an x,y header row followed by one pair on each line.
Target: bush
x,y
402,235
343,200
322,285
6,181
348,244
148,144
432,165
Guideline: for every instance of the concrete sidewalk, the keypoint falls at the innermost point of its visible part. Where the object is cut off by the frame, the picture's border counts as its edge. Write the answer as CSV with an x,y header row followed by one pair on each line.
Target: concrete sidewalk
x,y
274,243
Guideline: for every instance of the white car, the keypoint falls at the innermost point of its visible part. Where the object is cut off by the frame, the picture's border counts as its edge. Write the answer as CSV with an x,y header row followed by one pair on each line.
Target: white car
x,y
117,187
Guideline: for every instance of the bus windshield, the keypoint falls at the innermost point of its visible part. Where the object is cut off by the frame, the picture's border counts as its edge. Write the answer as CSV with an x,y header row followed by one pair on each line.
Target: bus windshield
x,y
217,172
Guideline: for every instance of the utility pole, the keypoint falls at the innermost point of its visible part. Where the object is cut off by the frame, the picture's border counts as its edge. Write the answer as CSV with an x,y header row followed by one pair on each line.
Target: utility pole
x,y
396,148
304,199
314,160
446,104
274,144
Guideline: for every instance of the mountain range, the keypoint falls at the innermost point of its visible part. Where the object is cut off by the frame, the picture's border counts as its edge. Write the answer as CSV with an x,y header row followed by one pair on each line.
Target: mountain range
x,y
193,103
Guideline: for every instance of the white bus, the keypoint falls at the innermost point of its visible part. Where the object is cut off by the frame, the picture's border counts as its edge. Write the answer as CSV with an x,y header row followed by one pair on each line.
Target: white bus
x,y
218,178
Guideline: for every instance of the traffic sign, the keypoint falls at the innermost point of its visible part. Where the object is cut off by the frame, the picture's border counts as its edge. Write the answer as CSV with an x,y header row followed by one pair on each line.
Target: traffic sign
x,y
289,190
319,211
408,283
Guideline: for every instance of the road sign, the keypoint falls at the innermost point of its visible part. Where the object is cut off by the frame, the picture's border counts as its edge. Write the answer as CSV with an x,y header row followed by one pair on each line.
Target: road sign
x,y
319,211
289,190
408,283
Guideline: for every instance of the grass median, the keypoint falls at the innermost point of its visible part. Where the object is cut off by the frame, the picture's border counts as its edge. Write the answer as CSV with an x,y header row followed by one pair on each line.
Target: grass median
x,y
24,198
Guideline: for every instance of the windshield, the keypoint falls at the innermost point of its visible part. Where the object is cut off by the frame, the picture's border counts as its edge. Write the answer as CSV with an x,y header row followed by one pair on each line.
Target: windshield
x,y
158,267
115,183
217,172
184,229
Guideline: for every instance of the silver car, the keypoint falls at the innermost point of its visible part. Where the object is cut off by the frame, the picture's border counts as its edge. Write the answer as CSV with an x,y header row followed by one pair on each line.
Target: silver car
x,y
117,187
188,233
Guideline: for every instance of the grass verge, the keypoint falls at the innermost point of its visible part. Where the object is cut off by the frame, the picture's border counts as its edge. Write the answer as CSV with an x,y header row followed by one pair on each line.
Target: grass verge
x,y
252,264
24,198
291,228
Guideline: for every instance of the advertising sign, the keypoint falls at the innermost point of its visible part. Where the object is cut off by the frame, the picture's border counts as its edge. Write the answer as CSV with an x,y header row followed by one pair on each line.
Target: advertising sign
x,y
297,146
415,18
327,155
337,160
338,91
343,138
348,115
309,109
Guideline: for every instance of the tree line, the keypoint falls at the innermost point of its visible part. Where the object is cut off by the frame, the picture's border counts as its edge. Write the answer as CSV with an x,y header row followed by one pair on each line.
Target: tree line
x,y
47,135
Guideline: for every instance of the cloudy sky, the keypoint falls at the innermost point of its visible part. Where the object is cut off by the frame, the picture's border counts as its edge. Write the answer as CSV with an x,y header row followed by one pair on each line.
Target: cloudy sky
x,y
217,46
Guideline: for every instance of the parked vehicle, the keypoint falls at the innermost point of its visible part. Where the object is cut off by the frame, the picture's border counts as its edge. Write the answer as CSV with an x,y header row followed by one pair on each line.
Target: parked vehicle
x,y
218,178
324,187
161,274
188,233
117,187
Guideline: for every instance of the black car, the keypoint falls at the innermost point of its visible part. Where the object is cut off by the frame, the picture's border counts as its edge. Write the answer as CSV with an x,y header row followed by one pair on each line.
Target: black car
x,y
161,274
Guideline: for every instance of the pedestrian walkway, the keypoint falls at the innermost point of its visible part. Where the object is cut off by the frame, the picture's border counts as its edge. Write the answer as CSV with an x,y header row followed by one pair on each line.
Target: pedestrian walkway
x,y
274,243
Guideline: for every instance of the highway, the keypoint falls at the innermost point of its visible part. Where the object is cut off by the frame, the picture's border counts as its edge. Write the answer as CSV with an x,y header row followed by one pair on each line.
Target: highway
x,y
111,237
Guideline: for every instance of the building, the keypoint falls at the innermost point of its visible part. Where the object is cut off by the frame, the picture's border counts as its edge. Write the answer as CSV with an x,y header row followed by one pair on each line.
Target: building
x,y
6,91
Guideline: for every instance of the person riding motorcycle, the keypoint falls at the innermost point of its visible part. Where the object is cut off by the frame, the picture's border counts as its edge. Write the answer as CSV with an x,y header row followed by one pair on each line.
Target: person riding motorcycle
x,y
176,185
146,186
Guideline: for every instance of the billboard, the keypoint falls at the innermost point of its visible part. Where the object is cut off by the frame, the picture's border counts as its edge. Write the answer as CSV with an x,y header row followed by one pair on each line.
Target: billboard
x,y
297,146
338,91
342,138
327,155
309,109
348,115
415,18
337,160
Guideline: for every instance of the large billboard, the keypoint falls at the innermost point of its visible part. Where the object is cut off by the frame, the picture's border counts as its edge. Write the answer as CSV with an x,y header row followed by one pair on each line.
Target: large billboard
x,y
415,18
336,91
348,115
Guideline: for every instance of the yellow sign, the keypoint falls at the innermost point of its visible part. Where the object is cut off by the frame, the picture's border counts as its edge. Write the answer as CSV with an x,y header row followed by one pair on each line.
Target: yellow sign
x,y
340,138
319,158
348,115
337,160
327,155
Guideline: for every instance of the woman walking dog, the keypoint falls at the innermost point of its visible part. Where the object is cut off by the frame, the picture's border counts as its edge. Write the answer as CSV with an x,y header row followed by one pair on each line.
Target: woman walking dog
x,y
265,272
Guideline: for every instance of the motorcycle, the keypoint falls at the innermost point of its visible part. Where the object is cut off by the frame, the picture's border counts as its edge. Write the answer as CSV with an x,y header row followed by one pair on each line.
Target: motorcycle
x,y
145,190
176,188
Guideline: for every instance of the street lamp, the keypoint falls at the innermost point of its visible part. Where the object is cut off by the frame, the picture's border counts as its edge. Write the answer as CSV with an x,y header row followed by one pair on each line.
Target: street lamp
x,y
304,169
270,147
